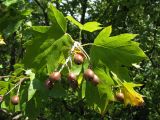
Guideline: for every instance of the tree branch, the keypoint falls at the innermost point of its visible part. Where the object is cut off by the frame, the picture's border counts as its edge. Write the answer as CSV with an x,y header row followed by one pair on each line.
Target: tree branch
x,y
4,77
84,8
44,13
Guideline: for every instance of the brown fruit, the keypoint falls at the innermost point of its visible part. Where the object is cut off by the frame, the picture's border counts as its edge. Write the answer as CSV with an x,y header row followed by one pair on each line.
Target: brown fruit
x,y
71,77
120,96
48,84
74,84
55,76
15,100
95,79
78,58
1,98
88,74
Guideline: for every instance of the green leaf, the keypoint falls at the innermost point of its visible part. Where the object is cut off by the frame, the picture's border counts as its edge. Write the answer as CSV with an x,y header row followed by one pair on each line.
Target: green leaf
x,y
41,29
31,89
3,84
57,0
91,26
101,94
3,87
12,27
34,107
26,12
53,60
57,18
116,50
57,91
76,69
45,47
9,2
70,18
105,33
1,66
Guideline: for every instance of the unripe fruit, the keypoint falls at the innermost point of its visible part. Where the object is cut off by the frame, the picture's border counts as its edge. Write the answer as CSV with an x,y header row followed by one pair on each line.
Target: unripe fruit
x,y
78,59
95,79
48,84
120,96
15,100
88,74
1,98
71,77
55,76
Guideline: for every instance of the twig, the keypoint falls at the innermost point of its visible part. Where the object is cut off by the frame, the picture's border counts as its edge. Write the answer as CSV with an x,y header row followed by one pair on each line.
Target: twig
x,y
18,89
5,76
11,89
44,13
21,80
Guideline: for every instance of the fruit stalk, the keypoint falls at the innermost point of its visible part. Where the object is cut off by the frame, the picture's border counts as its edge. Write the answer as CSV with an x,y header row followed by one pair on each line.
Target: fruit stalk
x,y
21,80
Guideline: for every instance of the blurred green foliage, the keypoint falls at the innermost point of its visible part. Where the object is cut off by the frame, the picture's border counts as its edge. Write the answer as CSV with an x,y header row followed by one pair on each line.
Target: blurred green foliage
x,y
126,16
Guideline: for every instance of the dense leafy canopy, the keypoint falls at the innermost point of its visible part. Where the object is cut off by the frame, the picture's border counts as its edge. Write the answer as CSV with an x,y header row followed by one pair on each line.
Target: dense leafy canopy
x,y
39,40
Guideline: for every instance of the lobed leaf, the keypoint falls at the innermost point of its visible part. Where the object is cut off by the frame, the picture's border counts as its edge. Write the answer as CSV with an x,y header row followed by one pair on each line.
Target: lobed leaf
x,y
57,18
101,94
44,47
70,18
91,26
116,50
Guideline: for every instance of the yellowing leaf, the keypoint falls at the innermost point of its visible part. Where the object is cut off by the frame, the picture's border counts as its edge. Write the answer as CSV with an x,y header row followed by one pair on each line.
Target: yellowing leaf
x,y
130,95
1,40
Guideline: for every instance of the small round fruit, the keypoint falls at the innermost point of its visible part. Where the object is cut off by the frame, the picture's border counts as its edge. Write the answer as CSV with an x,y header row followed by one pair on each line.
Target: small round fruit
x,y
55,76
72,77
88,74
78,59
120,96
48,84
95,79
1,98
15,100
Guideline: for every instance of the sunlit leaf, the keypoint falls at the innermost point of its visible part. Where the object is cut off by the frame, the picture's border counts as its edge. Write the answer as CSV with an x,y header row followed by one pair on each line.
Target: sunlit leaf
x,y
70,18
31,89
1,40
91,26
57,18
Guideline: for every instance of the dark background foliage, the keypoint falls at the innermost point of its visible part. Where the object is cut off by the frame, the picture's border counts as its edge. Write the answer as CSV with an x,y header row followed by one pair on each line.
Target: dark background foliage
x,y
126,16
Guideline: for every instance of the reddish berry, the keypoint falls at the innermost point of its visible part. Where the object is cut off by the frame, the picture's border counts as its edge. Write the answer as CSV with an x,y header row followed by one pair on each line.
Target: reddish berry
x,y
78,59
120,96
48,84
1,98
55,76
95,79
15,100
71,77
88,74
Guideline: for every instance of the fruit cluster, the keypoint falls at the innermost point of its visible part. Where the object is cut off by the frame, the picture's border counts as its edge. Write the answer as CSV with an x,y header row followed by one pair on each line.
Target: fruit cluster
x,y
89,75
72,77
